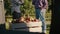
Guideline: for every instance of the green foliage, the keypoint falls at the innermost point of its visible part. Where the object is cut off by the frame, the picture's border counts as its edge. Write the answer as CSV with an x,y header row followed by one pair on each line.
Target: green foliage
x,y
7,7
49,2
27,8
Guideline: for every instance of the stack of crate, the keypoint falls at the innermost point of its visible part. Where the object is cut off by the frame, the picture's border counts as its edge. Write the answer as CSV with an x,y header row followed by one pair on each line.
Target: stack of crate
x,y
29,27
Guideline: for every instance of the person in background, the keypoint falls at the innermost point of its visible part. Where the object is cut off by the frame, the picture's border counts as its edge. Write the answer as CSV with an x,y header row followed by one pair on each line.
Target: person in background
x,y
40,10
15,9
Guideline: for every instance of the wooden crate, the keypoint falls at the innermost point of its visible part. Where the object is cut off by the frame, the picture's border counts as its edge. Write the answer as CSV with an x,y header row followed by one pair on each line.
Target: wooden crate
x,y
30,27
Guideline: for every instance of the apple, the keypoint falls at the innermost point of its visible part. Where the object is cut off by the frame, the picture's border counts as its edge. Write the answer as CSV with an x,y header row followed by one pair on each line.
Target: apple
x,y
32,20
36,20
21,19
27,21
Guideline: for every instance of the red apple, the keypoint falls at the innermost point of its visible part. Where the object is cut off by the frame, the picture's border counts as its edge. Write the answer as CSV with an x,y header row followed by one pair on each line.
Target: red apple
x,y
21,19
32,20
36,20
27,21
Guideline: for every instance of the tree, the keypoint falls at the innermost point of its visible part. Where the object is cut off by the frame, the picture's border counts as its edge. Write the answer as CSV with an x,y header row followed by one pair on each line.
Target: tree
x,y
7,7
27,8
